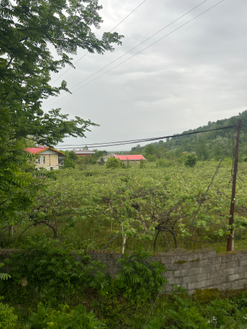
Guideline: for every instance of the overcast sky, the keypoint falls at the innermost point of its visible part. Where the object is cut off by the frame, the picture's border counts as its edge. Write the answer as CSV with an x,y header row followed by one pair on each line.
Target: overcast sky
x,y
196,73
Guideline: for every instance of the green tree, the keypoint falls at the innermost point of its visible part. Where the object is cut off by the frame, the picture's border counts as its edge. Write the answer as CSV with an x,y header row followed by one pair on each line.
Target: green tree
x,y
190,160
113,163
28,29
137,149
83,162
150,150
202,150
161,151
142,164
70,160
68,163
98,155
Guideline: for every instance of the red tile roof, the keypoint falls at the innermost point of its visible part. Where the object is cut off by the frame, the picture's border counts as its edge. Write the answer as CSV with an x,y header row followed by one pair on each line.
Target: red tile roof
x,y
36,150
131,157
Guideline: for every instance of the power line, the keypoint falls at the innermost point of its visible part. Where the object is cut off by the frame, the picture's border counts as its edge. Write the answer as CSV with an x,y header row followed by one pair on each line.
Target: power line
x,y
54,100
110,31
128,15
135,141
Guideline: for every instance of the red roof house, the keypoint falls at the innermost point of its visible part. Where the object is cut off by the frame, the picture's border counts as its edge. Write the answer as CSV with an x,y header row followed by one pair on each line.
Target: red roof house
x,y
49,158
130,157
83,153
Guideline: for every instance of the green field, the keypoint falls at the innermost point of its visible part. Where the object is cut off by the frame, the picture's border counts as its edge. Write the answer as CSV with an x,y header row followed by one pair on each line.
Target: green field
x,y
85,209
89,207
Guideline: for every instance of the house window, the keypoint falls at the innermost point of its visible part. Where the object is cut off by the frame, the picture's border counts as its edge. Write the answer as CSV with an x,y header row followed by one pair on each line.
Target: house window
x,y
38,160
43,159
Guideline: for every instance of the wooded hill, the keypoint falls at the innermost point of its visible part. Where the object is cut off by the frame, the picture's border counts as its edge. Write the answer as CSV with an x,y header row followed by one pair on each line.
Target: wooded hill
x,y
206,145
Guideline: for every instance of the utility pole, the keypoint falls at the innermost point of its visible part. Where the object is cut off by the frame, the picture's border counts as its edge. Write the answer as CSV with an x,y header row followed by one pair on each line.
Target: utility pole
x,y
234,180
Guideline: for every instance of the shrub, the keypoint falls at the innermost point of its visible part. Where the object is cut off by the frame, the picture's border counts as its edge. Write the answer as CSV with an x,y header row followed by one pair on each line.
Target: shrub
x,y
151,158
190,160
142,164
163,163
68,163
64,318
113,163
140,278
48,270
7,318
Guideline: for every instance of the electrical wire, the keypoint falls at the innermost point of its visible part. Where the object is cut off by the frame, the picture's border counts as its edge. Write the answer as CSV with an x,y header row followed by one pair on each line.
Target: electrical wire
x,y
54,100
110,31
117,143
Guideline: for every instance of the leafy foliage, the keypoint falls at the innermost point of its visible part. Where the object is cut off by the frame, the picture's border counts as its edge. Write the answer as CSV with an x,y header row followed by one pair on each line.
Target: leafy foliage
x,y
190,160
87,208
208,146
51,267
113,163
4,276
140,278
102,302
47,275
64,317
28,29
8,319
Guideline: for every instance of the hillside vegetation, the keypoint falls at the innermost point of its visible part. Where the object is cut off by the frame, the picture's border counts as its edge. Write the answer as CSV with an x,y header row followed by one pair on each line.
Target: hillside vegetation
x,y
209,145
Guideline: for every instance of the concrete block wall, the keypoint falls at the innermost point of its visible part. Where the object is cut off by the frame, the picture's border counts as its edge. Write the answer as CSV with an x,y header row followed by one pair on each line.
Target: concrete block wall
x,y
196,269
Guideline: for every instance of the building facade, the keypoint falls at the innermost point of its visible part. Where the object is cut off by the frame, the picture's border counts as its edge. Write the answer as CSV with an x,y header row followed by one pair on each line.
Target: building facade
x,y
47,157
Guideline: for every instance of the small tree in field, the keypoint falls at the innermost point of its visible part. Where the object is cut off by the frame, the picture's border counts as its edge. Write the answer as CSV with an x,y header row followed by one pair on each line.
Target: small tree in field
x,y
113,163
83,162
190,160
142,164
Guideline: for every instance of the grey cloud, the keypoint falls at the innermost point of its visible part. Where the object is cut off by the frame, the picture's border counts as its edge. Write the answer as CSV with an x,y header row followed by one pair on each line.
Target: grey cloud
x,y
195,75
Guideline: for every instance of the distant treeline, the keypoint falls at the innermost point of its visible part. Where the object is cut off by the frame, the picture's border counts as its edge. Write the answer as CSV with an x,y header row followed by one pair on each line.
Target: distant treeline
x,y
206,145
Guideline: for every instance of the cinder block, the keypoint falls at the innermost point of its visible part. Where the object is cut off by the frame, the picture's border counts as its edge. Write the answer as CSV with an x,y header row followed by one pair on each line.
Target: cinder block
x,y
194,285
237,285
175,267
225,258
184,272
168,274
203,263
202,277
191,292
233,264
168,288
238,270
205,284
187,266
217,281
222,267
177,281
217,259
226,286
179,259
178,273
219,287
236,257
229,271
189,279
242,283
243,261
208,254
169,267
215,267
195,271
233,277
243,268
